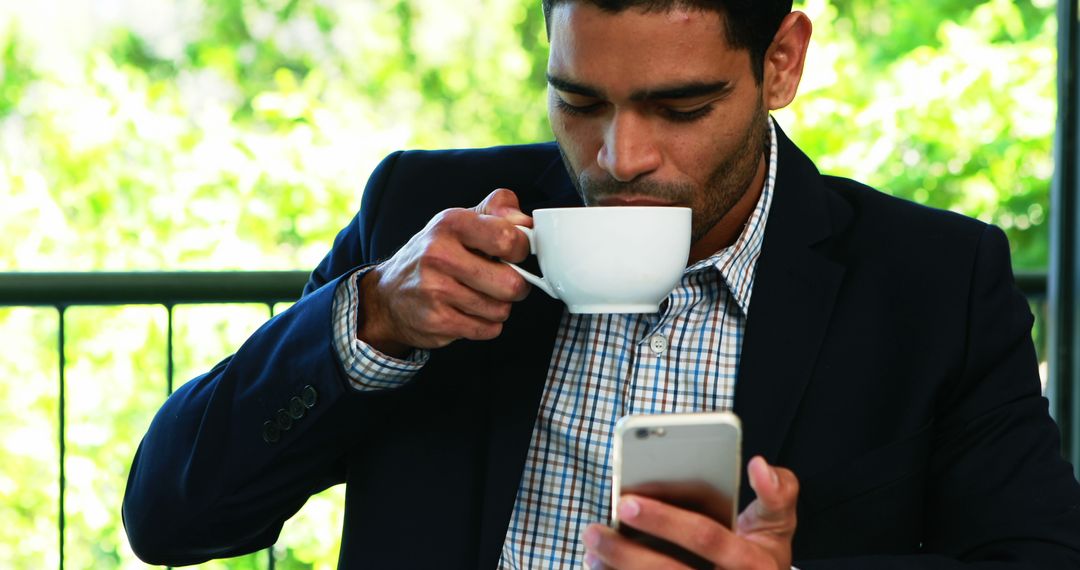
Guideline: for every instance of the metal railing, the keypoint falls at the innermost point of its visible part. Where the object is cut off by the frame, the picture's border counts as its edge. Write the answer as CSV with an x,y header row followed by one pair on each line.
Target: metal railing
x,y
63,290
167,289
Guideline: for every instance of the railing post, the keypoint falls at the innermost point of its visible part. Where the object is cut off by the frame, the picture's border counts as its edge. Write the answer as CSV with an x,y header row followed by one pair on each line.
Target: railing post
x,y
169,371
271,561
62,427
1064,271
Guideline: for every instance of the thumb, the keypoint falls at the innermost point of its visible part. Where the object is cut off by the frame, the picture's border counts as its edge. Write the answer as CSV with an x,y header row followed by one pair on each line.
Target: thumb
x,y
503,203
770,520
777,490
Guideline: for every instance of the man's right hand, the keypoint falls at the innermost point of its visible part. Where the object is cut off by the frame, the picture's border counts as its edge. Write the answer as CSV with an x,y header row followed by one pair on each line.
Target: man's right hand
x,y
447,282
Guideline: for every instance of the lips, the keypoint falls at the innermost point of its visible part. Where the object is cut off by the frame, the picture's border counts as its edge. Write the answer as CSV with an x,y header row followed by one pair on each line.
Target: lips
x,y
632,201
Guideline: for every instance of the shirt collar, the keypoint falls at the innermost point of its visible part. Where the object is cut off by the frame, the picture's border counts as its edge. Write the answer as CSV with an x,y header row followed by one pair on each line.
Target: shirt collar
x,y
737,263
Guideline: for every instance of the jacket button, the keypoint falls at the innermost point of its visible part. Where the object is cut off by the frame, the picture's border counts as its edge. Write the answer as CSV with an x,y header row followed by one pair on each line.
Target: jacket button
x,y
284,422
271,433
309,396
296,408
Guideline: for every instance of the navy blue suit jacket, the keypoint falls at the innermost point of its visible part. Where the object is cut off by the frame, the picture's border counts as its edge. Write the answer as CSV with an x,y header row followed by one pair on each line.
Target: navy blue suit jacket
x,y
887,361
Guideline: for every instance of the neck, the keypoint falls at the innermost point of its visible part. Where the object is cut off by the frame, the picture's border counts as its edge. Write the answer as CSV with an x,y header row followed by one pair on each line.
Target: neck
x,y
727,230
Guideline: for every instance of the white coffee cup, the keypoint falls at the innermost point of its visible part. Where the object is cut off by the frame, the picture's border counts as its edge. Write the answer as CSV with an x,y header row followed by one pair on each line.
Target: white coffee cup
x,y
622,259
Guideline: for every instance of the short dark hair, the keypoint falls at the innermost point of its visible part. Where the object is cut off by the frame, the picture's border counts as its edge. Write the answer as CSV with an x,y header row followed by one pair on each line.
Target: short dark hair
x,y
751,24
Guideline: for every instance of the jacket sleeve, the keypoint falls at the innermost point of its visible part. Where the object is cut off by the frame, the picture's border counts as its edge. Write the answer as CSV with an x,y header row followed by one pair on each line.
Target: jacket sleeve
x,y
235,452
998,493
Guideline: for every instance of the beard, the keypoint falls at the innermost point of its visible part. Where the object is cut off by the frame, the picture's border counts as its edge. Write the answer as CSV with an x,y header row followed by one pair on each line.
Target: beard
x,y
727,182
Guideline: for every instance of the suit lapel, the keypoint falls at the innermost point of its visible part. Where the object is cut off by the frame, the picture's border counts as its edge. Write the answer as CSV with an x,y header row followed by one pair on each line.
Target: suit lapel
x,y
790,306
518,372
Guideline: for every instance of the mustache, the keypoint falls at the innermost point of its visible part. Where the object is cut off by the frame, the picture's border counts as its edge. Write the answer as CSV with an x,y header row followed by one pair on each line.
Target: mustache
x,y
595,190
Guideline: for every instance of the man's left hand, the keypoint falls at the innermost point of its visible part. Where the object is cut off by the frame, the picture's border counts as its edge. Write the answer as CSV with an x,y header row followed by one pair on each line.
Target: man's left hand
x,y
761,539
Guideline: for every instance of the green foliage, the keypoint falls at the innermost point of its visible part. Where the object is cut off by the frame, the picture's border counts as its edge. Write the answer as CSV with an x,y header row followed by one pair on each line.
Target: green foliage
x,y
15,74
244,143
962,122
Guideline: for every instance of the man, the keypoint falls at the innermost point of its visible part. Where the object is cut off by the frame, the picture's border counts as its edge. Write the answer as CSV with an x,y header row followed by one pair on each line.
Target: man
x,y
877,352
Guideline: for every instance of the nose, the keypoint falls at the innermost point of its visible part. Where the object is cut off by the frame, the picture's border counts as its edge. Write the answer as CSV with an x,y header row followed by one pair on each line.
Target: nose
x,y
628,151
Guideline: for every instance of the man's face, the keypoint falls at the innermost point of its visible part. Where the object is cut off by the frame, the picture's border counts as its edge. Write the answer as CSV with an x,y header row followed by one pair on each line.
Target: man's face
x,y
655,109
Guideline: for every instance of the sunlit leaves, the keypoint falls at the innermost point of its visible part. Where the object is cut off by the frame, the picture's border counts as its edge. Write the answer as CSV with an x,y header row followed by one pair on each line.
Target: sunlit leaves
x,y
237,134
964,122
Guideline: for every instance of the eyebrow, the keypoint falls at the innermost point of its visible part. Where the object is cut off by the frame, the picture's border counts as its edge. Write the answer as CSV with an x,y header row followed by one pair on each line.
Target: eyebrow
x,y
571,87
680,91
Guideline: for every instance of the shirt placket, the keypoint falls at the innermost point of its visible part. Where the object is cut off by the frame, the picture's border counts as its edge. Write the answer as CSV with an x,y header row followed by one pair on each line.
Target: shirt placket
x,y
650,379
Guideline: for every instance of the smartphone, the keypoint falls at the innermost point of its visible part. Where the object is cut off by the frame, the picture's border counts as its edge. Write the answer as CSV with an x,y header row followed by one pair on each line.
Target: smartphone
x,y
689,460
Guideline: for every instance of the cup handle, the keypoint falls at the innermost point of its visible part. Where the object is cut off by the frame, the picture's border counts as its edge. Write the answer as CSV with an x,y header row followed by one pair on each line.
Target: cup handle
x,y
534,279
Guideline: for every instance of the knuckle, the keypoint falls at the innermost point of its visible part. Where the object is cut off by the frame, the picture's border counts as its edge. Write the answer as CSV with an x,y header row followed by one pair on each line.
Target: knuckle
x,y
450,219
501,202
426,278
703,537
440,220
519,287
438,342
511,284
788,482
435,257
427,311
485,204
495,329
434,296
441,321
504,241
498,197
486,331
424,299
502,312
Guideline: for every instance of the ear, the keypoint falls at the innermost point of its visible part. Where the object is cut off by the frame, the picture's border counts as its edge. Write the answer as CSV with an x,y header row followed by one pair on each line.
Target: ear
x,y
785,59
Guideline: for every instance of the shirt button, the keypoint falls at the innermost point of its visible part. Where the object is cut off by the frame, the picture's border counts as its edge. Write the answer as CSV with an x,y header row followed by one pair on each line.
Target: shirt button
x,y
658,343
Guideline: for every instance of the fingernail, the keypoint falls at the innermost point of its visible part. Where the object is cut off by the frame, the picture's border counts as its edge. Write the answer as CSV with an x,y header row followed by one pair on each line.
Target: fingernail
x,y
775,477
593,562
591,537
628,509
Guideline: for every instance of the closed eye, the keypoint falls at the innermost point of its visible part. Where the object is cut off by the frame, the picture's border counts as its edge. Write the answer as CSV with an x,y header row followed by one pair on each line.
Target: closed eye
x,y
690,116
569,109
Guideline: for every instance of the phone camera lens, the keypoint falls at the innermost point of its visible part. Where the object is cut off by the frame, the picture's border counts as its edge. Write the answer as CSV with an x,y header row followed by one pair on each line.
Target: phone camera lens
x,y
641,433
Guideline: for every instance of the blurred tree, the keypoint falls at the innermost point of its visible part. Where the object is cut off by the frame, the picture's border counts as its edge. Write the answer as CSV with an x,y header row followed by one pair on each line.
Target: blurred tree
x,y
962,119
240,140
